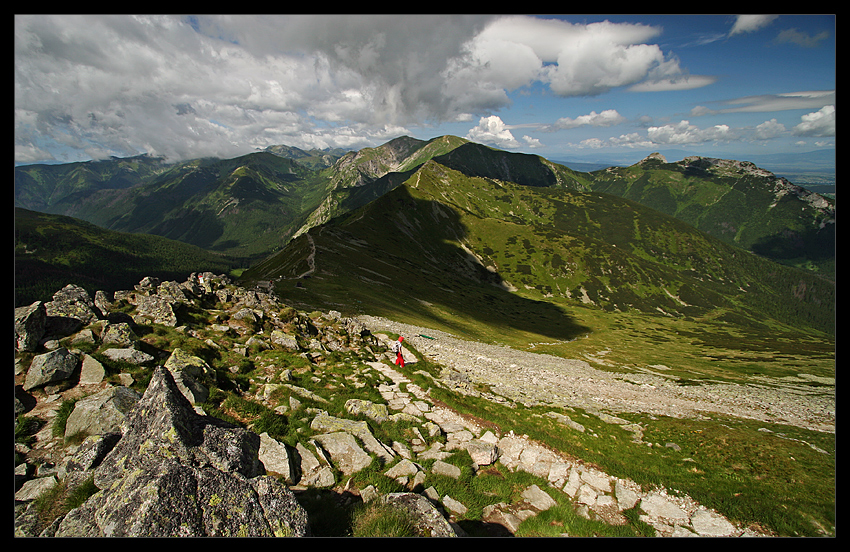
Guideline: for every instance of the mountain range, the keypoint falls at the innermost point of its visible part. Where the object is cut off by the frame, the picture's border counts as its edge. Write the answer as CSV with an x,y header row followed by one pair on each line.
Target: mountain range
x,y
499,232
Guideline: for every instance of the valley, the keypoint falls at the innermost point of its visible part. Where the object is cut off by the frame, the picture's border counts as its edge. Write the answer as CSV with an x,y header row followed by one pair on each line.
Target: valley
x,y
693,300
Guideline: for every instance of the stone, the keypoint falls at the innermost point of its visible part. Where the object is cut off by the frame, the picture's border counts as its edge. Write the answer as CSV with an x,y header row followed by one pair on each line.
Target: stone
x,y
103,412
599,482
276,457
454,506
34,488
29,326
129,355
71,307
51,367
404,468
374,411
443,468
344,451
428,520
91,452
482,452
626,498
537,498
92,371
119,334
177,473
710,524
658,506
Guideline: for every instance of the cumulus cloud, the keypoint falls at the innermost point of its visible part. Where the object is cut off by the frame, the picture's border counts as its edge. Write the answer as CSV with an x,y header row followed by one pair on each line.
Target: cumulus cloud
x,y
819,123
492,130
606,118
684,133
228,84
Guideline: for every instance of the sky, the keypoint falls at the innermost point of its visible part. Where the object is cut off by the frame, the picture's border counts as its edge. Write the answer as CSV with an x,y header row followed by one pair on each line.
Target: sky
x,y
561,86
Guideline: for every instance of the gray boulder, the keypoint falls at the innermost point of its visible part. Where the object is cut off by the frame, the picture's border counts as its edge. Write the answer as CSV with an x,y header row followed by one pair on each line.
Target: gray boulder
x,y
119,334
29,326
71,309
52,367
103,412
177,473
157,309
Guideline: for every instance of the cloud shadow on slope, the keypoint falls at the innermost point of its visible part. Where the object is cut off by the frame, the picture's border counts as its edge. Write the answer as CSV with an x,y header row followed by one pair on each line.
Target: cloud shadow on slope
x,y
400,254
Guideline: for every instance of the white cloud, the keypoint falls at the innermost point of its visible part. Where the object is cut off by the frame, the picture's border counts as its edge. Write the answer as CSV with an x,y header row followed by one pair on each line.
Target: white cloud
x,y
532,142
606,118
750,23
685,133
818,123
769,129
224,85
491,130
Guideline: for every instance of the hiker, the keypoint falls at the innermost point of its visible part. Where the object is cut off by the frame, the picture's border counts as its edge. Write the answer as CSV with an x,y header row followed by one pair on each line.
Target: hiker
x,y
396,348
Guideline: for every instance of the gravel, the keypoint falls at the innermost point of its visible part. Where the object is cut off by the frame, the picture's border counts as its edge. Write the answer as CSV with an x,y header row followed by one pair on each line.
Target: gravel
x,y
533,378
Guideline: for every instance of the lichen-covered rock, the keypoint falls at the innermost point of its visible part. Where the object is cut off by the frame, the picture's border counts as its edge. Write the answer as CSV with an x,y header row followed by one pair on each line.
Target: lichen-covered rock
x,y
29,326
176,473
189,372
375,411
120,334
51,367
157,309
103,412
72,301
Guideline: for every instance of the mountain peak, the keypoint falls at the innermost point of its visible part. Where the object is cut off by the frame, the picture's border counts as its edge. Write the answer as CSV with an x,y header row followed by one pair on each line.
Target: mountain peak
x,y
653,157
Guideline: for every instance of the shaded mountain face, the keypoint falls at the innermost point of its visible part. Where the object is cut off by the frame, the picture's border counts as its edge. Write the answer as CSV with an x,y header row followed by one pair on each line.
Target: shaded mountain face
x,y
442,237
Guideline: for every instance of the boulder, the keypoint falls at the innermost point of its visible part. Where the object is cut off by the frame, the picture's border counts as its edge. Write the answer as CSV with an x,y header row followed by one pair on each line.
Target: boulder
x,y
75,303
29,326
482,452
158,310
374,411
128,354
52,367
277,458
92,371
188,372
344,452
103,412
177,473
119,334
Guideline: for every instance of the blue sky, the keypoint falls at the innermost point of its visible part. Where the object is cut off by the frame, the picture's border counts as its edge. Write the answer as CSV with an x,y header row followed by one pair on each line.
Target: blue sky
x,y
565,87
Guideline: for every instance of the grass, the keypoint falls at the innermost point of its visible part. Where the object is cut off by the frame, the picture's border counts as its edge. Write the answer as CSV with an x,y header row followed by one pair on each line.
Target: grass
x,y
380,520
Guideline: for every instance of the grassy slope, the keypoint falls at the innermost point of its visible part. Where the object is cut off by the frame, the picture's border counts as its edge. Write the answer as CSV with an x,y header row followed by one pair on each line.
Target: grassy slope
x,y
381,260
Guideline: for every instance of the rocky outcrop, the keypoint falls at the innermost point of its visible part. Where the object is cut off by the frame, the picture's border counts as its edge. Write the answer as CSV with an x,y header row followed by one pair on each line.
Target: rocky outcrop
x,y
176,473
162,467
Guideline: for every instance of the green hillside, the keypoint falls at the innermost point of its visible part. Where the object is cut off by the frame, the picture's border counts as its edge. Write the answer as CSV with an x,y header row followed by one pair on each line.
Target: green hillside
x,y
52,251
736,202
251,206
524,266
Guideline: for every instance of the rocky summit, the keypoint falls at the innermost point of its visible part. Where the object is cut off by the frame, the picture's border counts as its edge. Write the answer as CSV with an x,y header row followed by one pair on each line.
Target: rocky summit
x,y
117,391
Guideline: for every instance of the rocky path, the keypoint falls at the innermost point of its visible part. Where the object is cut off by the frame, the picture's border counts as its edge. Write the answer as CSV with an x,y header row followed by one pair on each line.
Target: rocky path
x,y
532,378
589,488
